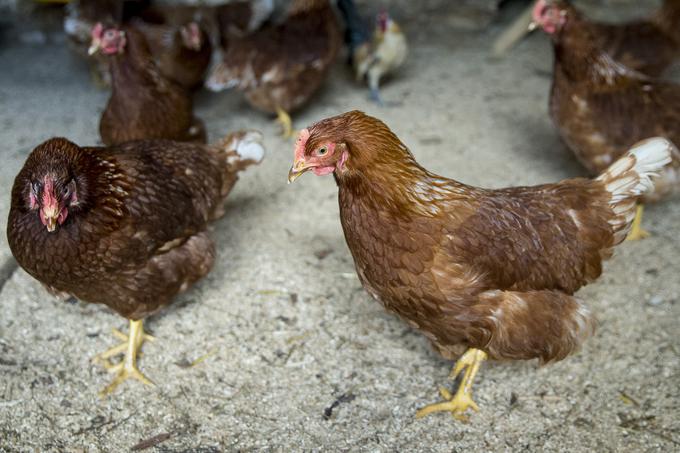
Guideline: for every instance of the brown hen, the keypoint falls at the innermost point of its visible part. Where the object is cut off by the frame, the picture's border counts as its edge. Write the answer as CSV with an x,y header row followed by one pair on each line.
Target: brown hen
x,y
493,271
143,103
601,108
279,67
124,226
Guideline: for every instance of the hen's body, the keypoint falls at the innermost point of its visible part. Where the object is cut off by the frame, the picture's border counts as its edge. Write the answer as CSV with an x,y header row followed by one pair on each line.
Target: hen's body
x,y
601,108
489,269
143,103
279,67
140,238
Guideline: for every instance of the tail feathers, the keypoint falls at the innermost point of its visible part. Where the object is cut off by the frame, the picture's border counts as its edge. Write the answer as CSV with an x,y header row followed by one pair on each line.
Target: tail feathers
x,y
631,176
242,149
239,151
548,325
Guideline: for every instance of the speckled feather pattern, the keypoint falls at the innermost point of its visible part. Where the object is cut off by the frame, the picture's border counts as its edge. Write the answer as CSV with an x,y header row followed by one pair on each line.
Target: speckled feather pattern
x,y
602,108
139,235
143,103
471,267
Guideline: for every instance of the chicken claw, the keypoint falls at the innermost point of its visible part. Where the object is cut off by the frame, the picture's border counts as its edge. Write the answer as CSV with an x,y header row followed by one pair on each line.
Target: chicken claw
x,y
462,401
127,368
636,231
286,123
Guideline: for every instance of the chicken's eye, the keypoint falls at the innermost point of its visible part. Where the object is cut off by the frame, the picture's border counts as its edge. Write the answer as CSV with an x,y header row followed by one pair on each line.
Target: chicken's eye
x,y
65,191
109,34
322,151
36,186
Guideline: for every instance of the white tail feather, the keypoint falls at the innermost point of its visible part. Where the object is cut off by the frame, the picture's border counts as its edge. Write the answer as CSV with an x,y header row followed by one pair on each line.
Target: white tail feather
x,y
243,146
630,176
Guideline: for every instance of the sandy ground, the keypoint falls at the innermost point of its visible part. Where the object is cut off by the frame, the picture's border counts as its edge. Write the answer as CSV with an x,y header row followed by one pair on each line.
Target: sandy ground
x,y
299,356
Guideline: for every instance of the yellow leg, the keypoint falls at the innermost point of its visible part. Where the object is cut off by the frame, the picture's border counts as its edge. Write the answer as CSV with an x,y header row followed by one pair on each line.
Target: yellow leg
x,y
127,368
636,230
460,402
286,123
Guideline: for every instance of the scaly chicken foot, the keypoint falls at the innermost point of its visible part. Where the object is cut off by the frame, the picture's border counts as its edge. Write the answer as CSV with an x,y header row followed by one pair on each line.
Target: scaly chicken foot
x,y
286,123
462,401
127,368
636,230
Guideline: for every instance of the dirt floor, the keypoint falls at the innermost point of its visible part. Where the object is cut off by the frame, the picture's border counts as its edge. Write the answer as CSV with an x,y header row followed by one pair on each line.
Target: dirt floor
x,y
298,355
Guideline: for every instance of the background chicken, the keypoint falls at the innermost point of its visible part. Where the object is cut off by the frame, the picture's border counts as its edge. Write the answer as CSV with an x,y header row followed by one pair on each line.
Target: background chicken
x,y
373,57
493,271
600,107
279,67
648,46
123,226
143,104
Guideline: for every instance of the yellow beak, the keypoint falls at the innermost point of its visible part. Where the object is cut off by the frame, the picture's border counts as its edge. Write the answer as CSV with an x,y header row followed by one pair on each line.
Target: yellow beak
x,y
532,26
297,170
51,215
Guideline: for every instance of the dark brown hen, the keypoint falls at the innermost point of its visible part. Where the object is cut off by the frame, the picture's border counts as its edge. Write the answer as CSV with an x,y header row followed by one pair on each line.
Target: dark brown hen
x,y
279,67
124,226
493,271
601,108
143,103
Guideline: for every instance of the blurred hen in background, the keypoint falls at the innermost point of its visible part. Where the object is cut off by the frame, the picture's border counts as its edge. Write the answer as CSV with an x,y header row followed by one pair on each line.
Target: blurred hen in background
x,y
143,103
601,107
280,66
373,56
124,226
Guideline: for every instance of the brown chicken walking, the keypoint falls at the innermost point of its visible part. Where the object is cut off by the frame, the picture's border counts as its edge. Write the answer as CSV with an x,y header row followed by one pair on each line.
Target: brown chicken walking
x,y
490,271
124,226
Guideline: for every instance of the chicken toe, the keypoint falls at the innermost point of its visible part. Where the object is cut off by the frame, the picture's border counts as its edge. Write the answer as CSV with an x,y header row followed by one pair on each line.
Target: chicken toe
x,y
459,403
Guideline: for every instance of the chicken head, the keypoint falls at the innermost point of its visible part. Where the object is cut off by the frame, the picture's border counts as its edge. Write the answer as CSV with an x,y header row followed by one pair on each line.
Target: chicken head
x,y
109,41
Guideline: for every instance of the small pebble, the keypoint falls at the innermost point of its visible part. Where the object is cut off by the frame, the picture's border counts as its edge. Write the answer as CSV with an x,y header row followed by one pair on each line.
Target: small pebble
x,y
655,300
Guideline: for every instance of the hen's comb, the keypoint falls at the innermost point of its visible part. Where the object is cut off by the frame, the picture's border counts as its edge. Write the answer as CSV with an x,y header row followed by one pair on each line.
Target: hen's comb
x,y
300,144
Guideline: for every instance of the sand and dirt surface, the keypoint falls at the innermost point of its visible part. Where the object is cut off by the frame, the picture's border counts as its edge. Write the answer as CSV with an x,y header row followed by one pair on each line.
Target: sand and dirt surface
x,y
295,355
